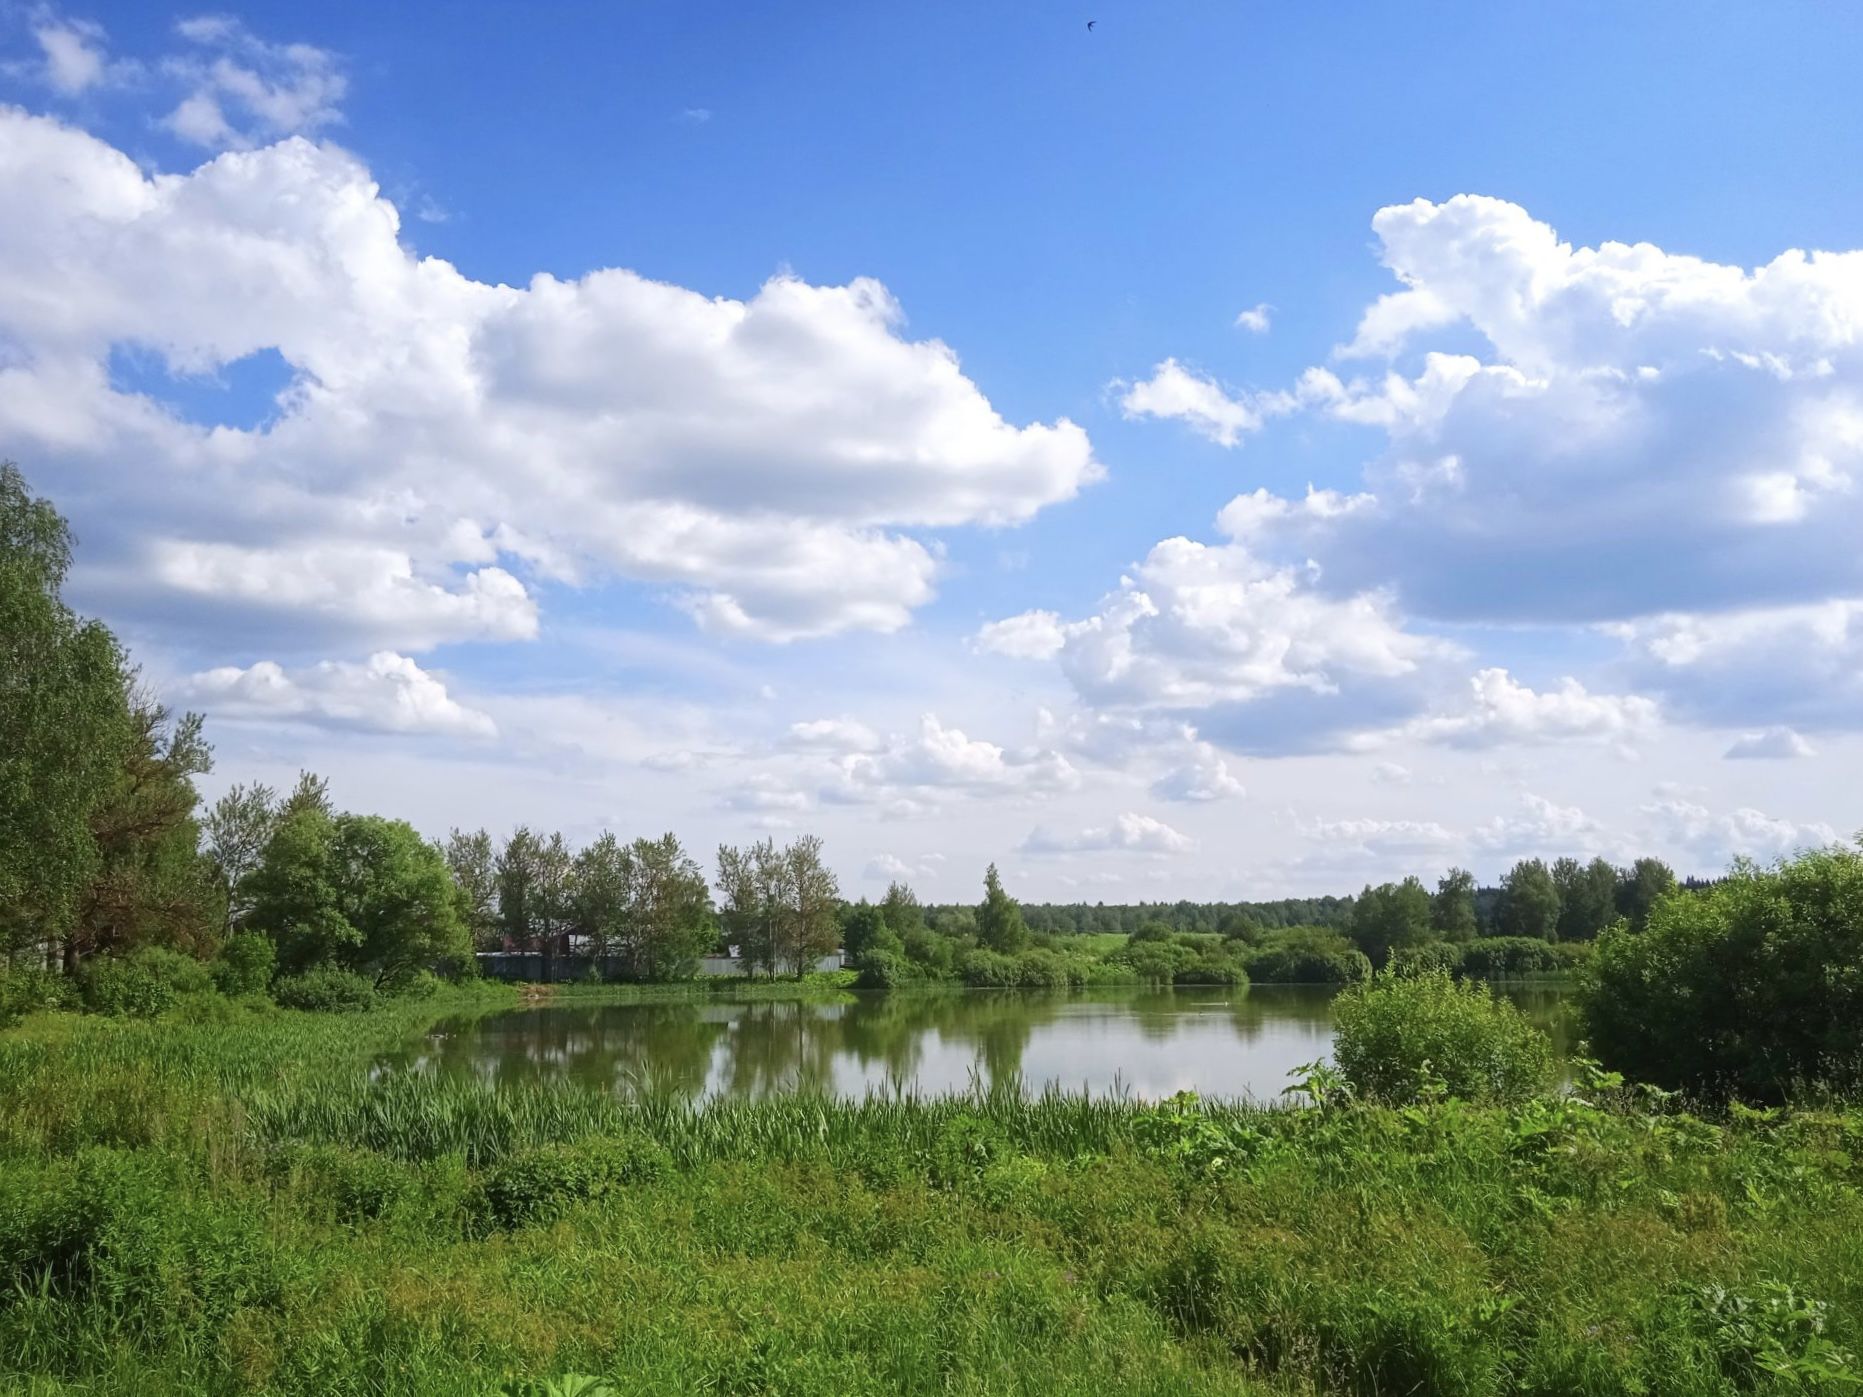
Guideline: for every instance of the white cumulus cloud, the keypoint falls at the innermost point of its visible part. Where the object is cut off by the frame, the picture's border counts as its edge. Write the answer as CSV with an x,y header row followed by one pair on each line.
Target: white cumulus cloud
x,y
387,693
758,460
1129,833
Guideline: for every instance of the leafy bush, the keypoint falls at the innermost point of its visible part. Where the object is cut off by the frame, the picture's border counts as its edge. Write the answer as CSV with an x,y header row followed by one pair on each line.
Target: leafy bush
x,y
326,988
1747,988
887,970
538,1185
1434,958
1397,1039
1211,968
1152,962
1308,963
1506,957
26,988
143,984
244,965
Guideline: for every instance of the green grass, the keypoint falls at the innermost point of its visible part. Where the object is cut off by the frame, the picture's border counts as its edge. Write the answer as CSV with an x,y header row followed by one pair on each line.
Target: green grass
x,y
1096,943
238,1206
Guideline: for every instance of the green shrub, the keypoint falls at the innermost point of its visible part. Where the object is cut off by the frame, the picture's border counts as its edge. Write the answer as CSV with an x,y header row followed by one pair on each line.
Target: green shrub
x,y
1396,1039
984,969
538,1185
1747,988
245,964
325,988
1041,970
1508,957
26,988
887,970
1433,958
1152,962
143,984
1211,968
1308,963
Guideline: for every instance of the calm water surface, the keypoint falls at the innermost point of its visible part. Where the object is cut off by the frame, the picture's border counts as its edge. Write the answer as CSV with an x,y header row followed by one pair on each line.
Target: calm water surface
x,y
1147,1043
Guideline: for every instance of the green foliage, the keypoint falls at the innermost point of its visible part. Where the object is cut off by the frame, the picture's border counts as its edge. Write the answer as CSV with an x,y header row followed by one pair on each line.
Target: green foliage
x,y
64,723
358,892
244,964
1749,988
1646,883
1529,902
1452,909
1511,957
25,989
1307,956
864,929
248,1206
1389,918
537,1185
999,920
325,988
1398,1040
143,984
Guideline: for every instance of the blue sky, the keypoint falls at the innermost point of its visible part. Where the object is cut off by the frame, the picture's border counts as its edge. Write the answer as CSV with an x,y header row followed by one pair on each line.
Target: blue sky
x,y
668,547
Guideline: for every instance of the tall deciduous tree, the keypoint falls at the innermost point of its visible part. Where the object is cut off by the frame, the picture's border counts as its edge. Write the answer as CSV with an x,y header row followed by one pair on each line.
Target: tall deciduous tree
x,y
360,892
1642,886
668,909
1587,897
475,869
64,725
1452,909
1391,917
234,834
1529,901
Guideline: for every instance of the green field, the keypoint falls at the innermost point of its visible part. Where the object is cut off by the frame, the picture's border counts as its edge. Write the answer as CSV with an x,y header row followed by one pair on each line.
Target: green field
x,y
237,1206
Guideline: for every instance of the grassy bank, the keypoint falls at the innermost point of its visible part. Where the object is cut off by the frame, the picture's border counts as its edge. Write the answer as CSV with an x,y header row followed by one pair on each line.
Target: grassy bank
x,y
237,1206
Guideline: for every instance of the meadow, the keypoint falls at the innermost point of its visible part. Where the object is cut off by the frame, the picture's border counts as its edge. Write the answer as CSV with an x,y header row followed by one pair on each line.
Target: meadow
x,y
242,1206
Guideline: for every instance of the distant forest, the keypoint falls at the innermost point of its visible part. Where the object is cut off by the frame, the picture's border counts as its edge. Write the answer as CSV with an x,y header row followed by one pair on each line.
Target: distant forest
x,y
1088,918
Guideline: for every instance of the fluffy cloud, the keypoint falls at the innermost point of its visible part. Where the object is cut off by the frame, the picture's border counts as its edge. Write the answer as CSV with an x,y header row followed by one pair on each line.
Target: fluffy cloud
x,y
911,770
1130,833
1259,656
1379,838
1713,839
1800,666
1204,777
75,60
1203,404
242,89
387,693
1771,745
1625,395
758,459
832,735
1503,711
1541,829
1256,320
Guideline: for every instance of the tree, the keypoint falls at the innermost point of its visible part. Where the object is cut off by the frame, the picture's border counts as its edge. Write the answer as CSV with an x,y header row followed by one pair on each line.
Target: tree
x,y
864,928
1390,917
1452,910
64,724
1529,902
810,927
151,884
518,872
1747,988
1587,897
234,835
753,890
598,897
475,871
999,919
312,792
900,908
1642,886
668,909
358,892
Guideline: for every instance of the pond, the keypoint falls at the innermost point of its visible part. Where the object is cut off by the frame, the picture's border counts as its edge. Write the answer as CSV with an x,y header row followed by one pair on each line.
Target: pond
x,y
1145,1043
